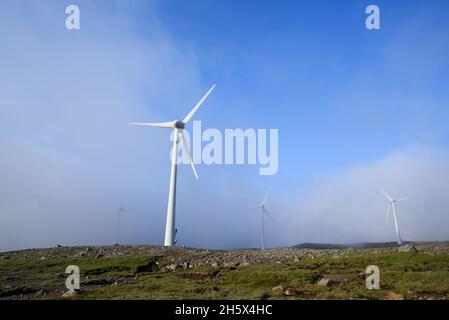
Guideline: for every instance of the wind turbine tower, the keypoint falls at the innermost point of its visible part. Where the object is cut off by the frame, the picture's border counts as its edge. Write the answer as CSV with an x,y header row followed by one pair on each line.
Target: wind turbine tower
x,y
177,126
263,212
392,205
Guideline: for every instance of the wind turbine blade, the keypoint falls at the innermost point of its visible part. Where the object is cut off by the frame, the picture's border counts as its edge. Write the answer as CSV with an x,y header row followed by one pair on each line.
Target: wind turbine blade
x,y
266,212
388,211
186,148
154,124
198,105
266,197
386,195
402,199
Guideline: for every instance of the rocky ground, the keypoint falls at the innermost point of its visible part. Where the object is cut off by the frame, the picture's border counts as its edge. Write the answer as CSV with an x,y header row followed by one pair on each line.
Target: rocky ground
x,y
413,271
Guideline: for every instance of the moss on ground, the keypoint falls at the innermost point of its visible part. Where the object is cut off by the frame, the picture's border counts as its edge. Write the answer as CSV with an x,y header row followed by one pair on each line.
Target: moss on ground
x,y
143,276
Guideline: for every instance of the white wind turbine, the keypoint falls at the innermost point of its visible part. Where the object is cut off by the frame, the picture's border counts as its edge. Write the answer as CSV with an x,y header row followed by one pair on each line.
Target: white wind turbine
x,y
264,212
178,127
392,205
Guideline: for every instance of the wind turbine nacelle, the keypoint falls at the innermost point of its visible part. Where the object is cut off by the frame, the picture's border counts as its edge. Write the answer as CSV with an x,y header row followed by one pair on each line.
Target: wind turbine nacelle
x,y
179,124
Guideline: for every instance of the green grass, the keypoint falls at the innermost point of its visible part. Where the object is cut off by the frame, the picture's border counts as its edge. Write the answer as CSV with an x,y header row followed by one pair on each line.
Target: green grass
x,y
414,275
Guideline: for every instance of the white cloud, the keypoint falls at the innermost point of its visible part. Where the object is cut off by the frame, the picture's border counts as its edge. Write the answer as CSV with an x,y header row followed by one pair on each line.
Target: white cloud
x,y
348,207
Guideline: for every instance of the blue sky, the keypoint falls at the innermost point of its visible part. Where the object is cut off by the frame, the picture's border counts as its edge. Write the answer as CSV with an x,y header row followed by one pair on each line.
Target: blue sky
x,y
312,70
355,109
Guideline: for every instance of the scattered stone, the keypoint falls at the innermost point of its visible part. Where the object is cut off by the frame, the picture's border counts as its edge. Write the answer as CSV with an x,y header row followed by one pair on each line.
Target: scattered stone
x,y
290,291
230,264
99,256
245,264
340,278
41,292
71,293
171,267
394,296
5,257
324,282
278,289
407,248
81,254
214,265
44,258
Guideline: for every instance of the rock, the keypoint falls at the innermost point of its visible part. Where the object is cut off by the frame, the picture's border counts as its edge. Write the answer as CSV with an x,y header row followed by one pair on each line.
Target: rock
x,y
81,254
290,291
214,265
407,248
230,264
71,293
43,258
324,282
99,256
171,267
59,275
278,289
41,292
245,264
340,278
393,296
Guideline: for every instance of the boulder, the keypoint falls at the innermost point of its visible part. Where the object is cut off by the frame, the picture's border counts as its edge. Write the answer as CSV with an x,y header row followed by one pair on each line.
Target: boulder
x,y
278,289
394,296
341,277
71,293
41,292
171,267
407,248
324,282
290,291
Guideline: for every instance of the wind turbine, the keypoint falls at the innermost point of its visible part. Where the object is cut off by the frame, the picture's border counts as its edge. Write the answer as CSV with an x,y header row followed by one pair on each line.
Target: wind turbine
x,y
392,205
262,215
178,127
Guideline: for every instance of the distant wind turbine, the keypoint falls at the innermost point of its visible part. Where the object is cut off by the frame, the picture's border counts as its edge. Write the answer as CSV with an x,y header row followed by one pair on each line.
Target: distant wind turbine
x,y
178,127
262,215
392,205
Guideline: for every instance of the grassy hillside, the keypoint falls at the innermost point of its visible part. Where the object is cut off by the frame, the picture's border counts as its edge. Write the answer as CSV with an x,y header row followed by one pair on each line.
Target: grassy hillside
x,y
147,272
